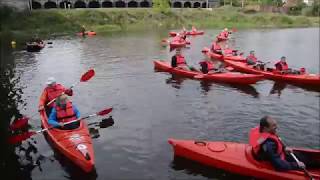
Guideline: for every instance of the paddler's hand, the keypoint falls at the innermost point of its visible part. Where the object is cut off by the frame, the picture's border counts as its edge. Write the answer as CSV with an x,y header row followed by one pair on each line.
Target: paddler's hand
x,y
61,124
288,150
301,165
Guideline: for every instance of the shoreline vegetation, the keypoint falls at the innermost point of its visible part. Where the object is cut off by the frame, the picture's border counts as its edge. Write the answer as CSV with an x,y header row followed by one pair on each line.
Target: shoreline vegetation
x,y
58,22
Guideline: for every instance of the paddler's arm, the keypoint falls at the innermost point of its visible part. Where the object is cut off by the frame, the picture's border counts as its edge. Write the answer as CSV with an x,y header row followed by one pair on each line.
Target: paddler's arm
x,y
269,148
52,121
76,111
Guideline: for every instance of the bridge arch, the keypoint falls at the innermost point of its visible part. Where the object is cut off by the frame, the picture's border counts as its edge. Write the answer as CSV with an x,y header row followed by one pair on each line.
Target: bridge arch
x,y
50,4
107,4
177,4
120,4
36,5
94,4
80,4
187,4
144,4
132,4
196,5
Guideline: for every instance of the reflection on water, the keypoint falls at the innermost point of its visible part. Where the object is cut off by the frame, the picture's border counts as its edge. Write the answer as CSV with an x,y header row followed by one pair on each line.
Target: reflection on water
x,y
195,169
277,88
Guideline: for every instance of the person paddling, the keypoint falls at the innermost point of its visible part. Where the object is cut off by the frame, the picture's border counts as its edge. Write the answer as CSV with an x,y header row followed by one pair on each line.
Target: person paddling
x,y
207,67
229,52
178,61
64,112
193,29
251,58
216,48
267,146
52,91
282,67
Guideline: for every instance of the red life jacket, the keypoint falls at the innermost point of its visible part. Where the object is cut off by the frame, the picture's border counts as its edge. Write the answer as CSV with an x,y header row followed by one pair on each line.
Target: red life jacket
x,y
215,46
210,65
252,58
284,66
228,51
256,139
180,60
65,115
225,34
54,92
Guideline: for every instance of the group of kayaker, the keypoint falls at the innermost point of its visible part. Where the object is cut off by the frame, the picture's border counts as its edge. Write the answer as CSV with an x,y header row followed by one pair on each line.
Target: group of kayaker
x,y
206,65
281,66
58,107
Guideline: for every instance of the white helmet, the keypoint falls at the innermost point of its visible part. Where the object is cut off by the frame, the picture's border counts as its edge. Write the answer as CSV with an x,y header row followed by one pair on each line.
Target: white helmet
x,y
51,80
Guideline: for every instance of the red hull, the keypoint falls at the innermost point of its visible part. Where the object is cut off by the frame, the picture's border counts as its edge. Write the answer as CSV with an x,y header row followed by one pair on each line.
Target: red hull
x,y
69,143
228,77
304,79
89,33
177,44
236,158
192,33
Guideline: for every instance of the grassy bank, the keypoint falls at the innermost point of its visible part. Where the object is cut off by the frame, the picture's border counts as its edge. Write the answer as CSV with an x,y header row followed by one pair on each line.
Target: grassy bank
x,y
59,22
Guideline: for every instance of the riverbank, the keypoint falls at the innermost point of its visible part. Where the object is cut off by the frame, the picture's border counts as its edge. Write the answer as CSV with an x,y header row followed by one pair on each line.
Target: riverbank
x,y
67,22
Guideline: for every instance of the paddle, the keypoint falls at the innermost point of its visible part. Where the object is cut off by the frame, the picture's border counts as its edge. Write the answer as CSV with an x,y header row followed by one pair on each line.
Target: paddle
x,y
296,159
304,169
19,123
21,137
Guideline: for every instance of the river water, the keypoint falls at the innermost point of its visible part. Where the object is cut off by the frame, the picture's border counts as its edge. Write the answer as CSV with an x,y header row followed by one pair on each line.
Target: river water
x,y
150,107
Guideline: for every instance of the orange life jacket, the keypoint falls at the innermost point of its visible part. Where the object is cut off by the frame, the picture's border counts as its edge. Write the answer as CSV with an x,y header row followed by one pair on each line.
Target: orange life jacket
x,y
210,65
228,51
284,66
54,92
256,139
180,60
252,58
65,115
215,46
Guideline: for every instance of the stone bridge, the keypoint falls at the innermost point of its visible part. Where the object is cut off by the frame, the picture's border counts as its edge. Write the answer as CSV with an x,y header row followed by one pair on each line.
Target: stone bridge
x,y
48,4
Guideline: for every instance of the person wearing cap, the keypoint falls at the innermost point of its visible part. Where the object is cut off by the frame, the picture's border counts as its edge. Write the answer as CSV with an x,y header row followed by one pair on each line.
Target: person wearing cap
x,y
178,61
52,91
282,65
207,66
64,112
251,58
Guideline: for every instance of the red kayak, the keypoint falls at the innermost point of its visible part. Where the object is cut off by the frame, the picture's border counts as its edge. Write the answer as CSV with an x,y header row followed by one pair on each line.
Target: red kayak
x,y
193,33
216,56
89,33
237,158
76,145
298,79
178,44
224,77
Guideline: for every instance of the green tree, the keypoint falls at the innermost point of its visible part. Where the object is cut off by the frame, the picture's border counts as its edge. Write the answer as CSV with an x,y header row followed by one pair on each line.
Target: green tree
x,y
161,6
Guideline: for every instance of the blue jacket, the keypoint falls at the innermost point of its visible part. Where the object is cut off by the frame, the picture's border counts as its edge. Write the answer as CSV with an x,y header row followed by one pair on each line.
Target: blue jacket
x,y
270,151
53,121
